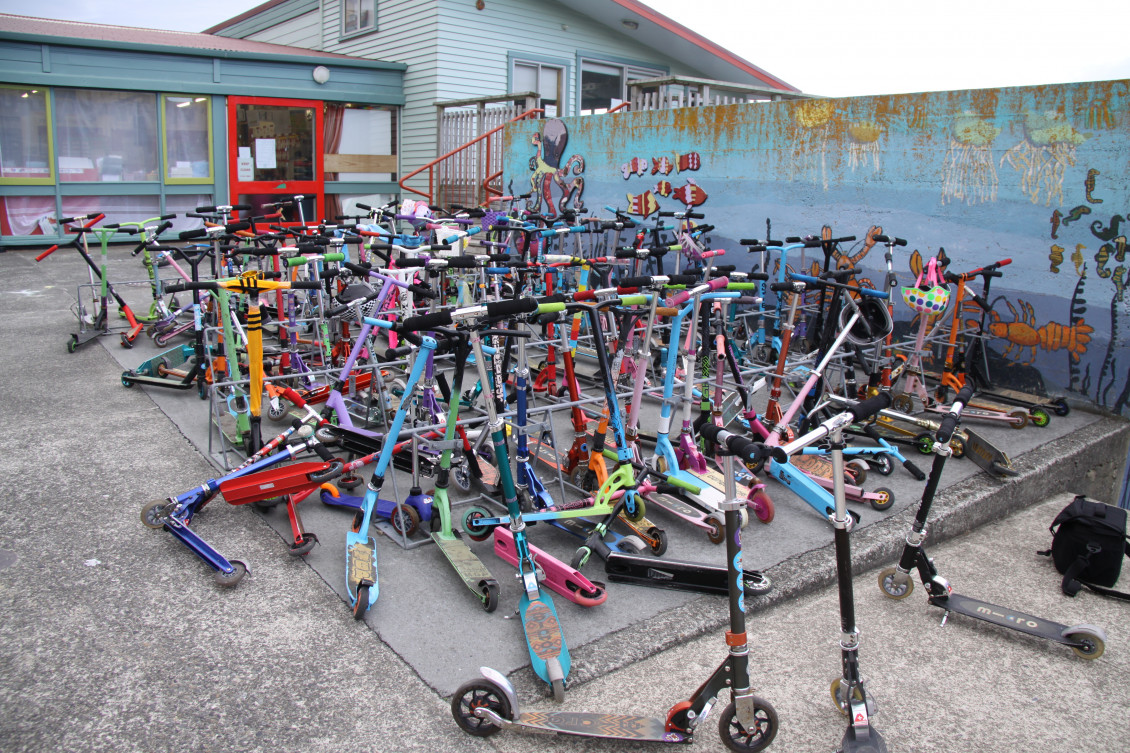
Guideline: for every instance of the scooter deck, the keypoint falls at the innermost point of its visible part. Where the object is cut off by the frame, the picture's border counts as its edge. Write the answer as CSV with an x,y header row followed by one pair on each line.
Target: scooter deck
x,y
610,726
361,565
675,575
543,635
1009,618
274,482
470,568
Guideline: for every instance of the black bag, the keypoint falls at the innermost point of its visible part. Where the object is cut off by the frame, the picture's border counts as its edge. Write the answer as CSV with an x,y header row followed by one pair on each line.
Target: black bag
x,y
1088,543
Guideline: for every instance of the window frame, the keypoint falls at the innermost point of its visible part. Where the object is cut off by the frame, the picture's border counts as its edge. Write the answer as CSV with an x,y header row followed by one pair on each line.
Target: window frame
x,y
629,69
211,179
50,180
360,30
564,102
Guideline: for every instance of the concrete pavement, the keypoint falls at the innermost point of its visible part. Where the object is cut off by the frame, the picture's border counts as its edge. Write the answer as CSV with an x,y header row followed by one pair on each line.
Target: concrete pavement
x,y
113,638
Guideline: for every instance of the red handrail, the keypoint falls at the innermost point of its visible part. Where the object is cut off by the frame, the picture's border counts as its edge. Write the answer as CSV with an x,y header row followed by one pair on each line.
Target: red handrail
x,y
431,165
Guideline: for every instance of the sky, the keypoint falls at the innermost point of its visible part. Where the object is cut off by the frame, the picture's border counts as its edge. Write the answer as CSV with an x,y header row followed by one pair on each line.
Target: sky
x,y
826,47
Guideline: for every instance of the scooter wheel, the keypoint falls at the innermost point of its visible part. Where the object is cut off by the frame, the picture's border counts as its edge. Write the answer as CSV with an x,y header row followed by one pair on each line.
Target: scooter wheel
x,y
127,380
957,447
303,546
1019,419
1093,646
405,520
763,507
895,585
474,531
839,695
268,503
362,604
738,737
882,464
151,514
461,478
352,481
276,414
924,443
1061,407
859,468
631,545
476,694
902,403
72,344
885,499
232,579
756,583
717,531
489,594
580,557
1039,417
126,342
659,541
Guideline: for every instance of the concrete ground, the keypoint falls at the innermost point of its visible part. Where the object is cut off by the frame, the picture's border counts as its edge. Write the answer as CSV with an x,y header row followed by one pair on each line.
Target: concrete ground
x,y
114,638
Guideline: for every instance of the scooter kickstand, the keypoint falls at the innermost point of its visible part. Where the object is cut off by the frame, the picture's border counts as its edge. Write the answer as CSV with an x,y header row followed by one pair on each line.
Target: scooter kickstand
x,y
945,616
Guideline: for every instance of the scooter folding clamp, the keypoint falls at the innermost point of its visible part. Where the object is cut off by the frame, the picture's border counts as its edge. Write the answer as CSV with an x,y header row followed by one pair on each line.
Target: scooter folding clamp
x,y
849,641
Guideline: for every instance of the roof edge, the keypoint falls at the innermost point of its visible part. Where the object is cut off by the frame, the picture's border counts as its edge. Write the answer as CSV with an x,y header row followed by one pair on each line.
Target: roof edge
x,y
243,16
299,55
700,41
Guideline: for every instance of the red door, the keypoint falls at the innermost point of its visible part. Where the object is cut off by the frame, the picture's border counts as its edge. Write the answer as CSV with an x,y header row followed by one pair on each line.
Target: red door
x,y
275,153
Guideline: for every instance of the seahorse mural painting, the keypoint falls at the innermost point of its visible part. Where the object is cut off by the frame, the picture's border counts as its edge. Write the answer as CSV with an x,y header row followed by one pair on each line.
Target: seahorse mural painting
x,y
548,172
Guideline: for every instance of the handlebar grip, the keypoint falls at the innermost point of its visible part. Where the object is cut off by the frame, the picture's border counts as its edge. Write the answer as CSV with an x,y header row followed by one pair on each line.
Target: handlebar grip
x,y
636,282
306,285
511,308
891,240
199,232
682,279
46,253
786,287
178,285
422,291
395,354
625,253
870,406
949,421
462,262
425,322
584,295
322,452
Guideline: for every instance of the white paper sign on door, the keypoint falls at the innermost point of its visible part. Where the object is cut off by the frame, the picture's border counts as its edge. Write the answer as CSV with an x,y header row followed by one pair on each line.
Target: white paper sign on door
x,y
265,154
245,169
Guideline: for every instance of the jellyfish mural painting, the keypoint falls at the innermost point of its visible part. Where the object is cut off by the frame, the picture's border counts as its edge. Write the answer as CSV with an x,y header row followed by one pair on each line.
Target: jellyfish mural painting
x,y
812,121
1046,152
548,172
863,147
970,175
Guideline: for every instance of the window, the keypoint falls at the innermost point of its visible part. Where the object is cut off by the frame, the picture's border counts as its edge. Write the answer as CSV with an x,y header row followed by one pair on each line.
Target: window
x,y
541,78
25,141
359,143
605,85
106,136
358,16
188,138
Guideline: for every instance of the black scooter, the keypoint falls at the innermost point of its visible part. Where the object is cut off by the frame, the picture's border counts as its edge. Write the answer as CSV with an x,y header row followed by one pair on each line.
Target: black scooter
x,y
484,706
1087,641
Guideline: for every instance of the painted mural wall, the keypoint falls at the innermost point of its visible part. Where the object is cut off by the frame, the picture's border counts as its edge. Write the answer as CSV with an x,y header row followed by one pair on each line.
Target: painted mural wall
x,y
1040,175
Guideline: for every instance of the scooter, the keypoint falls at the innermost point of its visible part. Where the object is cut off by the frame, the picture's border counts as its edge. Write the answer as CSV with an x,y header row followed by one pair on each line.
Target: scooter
x,y
849,691
486,705
1087,641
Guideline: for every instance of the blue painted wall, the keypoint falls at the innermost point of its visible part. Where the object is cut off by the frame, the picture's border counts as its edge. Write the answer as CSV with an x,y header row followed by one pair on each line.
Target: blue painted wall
x,y
1035,174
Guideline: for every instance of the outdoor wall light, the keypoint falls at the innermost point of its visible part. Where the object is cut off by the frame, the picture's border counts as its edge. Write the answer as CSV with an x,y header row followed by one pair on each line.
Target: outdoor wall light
x,y
321,74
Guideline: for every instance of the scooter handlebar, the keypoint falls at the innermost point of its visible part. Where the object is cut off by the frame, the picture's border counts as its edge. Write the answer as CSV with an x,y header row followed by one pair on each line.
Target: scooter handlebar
x,y
890,240
869,407
950,420
425,322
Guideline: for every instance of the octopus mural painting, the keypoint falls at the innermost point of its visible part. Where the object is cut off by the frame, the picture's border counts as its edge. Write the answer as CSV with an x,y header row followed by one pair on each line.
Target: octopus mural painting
x,y
550,177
